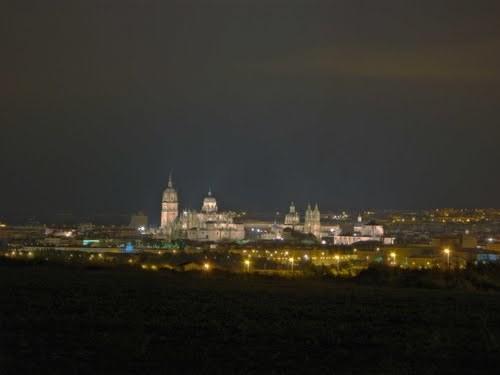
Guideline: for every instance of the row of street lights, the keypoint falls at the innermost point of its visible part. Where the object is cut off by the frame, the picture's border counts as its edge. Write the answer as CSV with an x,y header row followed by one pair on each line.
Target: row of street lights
x,y
446,251
392,256
247,263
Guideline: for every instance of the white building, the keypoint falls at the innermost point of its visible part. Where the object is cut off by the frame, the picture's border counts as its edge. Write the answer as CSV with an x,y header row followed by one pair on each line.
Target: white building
x,y
370,232
138,221
207,225
312,221
292,218
359,232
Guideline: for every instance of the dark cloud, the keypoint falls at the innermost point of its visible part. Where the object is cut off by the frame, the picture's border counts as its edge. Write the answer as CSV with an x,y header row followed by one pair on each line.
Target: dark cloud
x,y
470,62
348,103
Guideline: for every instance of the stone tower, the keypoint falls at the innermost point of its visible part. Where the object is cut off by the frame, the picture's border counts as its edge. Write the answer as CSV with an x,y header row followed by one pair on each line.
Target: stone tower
x,y
307,219
312,222
316,222
169,206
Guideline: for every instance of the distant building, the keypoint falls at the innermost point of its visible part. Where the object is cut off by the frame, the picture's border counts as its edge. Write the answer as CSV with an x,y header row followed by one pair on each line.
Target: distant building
x,y
454,241
312,221
3,237
371,229
169,208
139,221
85,228
31,232
292,218
207,225
370,232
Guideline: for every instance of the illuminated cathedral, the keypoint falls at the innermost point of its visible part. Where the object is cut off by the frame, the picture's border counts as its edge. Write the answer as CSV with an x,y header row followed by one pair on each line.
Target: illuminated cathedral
x,y
207,225
312,220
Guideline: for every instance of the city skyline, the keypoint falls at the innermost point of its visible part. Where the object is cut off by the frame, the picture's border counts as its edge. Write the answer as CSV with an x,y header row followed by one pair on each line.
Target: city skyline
x,y
250,186
122,215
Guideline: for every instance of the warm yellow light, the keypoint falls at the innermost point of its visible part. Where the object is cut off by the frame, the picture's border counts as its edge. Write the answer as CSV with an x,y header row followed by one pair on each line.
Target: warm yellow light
x,y
206,266
144,266
153,267
446,251
291,260
247,262
393,255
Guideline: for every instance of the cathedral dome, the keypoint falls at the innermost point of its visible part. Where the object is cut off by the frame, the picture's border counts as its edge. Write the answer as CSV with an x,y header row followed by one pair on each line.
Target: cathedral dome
x,y
209,203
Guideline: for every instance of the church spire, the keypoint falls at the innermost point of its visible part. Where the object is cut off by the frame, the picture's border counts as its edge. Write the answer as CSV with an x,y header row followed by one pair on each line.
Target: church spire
x,y
170,179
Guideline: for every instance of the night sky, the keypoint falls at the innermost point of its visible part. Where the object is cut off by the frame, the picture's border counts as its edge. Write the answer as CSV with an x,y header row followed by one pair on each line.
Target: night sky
x,y
351,104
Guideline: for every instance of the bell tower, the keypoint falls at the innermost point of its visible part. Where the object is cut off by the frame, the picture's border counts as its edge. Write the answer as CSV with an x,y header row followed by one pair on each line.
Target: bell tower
x,y
169,205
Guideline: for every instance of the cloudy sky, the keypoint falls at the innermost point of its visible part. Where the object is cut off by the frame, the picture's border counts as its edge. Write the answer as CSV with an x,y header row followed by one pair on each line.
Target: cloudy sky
x,y
351,104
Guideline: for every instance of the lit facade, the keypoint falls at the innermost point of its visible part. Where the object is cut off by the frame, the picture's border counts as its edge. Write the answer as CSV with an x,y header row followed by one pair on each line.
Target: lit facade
x,y
312,221
169,208
207,225
292,218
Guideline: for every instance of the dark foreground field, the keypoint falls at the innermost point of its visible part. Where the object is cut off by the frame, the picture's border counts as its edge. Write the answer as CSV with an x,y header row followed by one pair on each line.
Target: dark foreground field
x,y
66,321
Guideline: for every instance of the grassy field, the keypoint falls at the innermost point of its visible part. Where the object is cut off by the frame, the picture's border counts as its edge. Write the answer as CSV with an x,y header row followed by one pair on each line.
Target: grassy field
x,y
73,320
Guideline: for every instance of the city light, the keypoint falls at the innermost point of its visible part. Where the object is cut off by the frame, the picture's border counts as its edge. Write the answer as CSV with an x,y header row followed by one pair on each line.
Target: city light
x,y
337,258
247,264
206,266
447,253
393,256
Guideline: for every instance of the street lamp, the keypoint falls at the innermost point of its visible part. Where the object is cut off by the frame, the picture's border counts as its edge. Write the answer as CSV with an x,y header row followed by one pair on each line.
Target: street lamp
x,y
447,252
393,256
337,258
247,264
291,262
206,266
